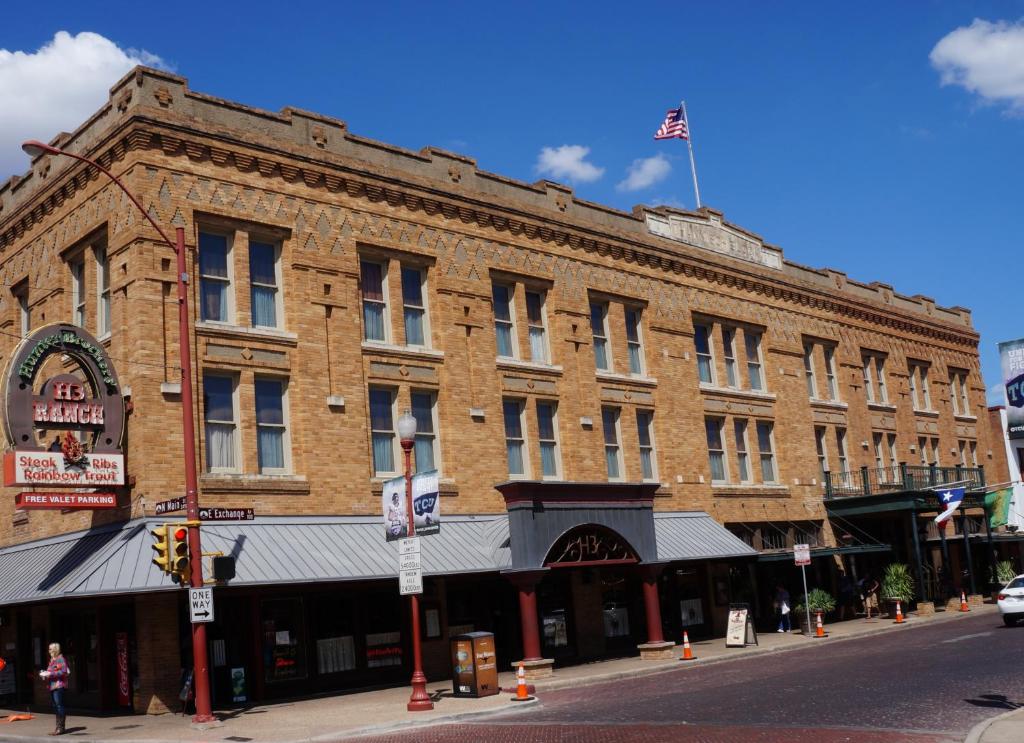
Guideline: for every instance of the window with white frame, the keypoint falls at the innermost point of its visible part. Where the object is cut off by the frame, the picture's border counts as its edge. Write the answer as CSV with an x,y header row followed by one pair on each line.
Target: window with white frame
x,y
373,288
961,446
729,356
894,461
612,450
877,442
972,448
830,372
765,446
755,373
504,320
214,277
919,393
78,291
102,292
844,461
645,433
874,378
536,326
812,382
634,345
414,306
221,422
271,425
424,410
547,436
264,289
958,392
936,452
739,426
820,447
922,445
24,311
705,359
716,449
512,411
382,431
599,329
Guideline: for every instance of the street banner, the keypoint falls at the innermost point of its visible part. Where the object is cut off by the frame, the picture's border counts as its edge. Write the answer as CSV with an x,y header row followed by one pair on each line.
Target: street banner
x,y
998,506
426,503
396,520
1011,355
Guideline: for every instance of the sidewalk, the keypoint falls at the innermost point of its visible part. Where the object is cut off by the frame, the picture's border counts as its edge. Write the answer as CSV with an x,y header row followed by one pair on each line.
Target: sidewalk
x,y
344,715
1006,728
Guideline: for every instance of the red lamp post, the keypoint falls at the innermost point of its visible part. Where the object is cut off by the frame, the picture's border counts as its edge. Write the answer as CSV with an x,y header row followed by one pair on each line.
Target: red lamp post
x,y
420,700
35,148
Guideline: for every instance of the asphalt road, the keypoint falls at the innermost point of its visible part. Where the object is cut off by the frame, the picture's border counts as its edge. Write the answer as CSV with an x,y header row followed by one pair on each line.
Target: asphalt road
x,y
928,685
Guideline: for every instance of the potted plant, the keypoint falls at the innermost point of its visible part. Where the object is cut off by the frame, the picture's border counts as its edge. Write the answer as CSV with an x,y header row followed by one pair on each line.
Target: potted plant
x,y
817,600
1004,573
897,585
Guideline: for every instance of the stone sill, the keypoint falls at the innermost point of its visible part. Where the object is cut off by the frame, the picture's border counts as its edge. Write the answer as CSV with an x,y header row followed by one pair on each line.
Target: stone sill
x,y
239,332
883,407
408,352
966,418
830,404
261,484
748,491
927,413
507,363
733,392
606,376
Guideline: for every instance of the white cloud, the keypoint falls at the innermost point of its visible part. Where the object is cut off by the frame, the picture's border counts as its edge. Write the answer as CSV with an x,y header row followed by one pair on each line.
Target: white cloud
x,y
56,88
995,395
568,162
645,172
986,58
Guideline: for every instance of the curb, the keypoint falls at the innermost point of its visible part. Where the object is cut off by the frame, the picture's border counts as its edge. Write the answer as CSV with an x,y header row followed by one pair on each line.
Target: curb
x,y
978,731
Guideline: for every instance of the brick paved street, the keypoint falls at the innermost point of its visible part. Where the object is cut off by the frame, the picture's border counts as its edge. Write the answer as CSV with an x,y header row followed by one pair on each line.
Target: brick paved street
x,y
931,685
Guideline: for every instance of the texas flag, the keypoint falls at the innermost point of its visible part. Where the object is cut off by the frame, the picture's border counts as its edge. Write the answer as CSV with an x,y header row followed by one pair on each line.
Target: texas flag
x,y
950,500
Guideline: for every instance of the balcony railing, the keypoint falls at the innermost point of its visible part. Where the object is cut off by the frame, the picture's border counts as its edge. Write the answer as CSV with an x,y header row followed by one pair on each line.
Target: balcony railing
x,y
902,477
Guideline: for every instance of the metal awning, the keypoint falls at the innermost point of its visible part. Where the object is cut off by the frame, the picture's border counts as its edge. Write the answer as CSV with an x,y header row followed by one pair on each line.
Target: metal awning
x,y
117,559
851,549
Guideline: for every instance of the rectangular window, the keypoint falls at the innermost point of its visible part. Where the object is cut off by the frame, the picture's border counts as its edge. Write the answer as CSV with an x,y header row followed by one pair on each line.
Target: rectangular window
x,y
612,450
874,371
894,463
547,435
382,431
819,445
504,325
830,373
705,361
78,292
414,308
263,284
962,451
764,445
812,382
844,462
645,432
922,445
919,393
958,393
102,292
716,449
936,453
883,392
214,278
877,441
24,311
514,437
221,423
742,453
729,348
271,429
372,280
599,327
537,327
425,444
633,344
752,341
972,447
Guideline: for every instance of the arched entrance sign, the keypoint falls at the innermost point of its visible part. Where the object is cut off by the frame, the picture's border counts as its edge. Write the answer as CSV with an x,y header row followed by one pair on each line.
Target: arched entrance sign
x,y
590,545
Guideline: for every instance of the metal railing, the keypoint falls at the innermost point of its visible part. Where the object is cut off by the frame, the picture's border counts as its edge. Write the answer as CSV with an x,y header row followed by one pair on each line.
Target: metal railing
x,y
902,477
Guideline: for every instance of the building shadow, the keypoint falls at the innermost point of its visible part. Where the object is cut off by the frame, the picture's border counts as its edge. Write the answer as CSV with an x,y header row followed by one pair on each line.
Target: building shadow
x,y
994,701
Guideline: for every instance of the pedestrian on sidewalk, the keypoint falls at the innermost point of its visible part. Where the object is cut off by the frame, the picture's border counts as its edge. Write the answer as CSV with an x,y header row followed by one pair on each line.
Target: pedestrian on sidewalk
x,y
782,607
870,596
56,678
847,596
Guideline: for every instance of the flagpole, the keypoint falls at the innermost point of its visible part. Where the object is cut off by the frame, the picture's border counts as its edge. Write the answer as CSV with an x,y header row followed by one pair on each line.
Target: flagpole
x,y
689,145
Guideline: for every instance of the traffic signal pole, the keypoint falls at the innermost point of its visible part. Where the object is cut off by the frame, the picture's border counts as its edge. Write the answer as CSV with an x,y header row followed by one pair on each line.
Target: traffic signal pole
x,y
199,654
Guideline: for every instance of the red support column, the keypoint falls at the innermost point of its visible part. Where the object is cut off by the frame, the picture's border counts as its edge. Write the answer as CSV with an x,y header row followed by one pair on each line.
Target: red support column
x,y
652,606
528,621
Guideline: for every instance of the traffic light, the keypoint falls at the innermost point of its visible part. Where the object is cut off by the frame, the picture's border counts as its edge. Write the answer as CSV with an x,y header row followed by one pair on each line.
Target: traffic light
x,y
162,547
181,569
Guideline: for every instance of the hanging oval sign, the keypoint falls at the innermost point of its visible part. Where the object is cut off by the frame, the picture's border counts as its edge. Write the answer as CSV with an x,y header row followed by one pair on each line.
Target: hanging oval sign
x,y
67,430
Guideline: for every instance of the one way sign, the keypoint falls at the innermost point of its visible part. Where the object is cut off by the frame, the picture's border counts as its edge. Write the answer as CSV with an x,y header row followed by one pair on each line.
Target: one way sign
x,y
200,605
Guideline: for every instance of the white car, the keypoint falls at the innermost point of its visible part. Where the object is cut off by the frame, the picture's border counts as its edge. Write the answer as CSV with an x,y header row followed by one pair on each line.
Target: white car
x,y
1011,601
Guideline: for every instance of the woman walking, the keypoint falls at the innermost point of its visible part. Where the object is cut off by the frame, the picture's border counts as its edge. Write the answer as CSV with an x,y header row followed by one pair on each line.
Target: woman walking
x,y
782,607
56,676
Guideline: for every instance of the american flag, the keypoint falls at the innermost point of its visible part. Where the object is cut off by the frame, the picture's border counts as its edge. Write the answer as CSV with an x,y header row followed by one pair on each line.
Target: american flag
x,y
673,126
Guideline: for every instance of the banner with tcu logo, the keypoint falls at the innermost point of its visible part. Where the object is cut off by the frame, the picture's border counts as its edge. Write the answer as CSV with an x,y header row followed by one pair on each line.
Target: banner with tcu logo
x,y
426,503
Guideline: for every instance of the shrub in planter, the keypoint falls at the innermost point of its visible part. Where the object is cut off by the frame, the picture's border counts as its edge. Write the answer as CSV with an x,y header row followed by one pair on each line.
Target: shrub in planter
x,y
897,583
817,600
1005,572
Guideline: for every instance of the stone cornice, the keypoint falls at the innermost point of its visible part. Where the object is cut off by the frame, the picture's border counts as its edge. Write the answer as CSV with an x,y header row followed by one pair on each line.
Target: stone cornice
x,y
333,173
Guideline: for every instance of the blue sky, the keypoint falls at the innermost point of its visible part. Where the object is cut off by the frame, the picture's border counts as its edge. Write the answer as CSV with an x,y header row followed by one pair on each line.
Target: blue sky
x,y
824,128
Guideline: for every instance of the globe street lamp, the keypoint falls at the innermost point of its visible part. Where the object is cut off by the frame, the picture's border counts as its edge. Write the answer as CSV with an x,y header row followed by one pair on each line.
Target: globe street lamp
x,y
34,149
420,700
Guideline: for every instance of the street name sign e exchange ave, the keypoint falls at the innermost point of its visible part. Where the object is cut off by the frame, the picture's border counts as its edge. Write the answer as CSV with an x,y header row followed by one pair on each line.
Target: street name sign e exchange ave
x,y
200,605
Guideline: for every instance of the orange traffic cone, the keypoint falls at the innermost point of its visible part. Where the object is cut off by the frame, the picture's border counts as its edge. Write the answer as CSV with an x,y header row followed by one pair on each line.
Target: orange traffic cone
x,y
819,629
687,652
899,614
522,693
963,602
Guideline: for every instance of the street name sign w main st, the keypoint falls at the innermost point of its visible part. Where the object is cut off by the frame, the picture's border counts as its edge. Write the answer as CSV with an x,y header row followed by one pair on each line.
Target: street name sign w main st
x,y
200,605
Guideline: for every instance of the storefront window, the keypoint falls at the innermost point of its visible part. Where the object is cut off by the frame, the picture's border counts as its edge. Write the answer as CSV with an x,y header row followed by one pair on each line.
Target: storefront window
x,y
384,646
334,632
556,629
284,640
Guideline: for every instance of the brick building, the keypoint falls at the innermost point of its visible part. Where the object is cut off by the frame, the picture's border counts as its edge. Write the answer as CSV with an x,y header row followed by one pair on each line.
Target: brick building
x,y
631,414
